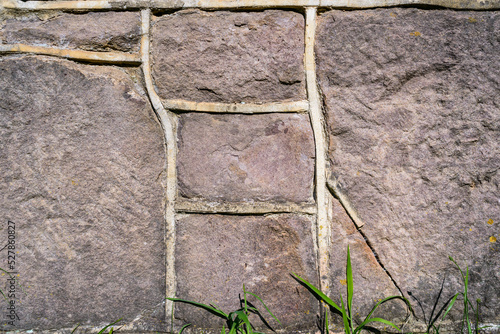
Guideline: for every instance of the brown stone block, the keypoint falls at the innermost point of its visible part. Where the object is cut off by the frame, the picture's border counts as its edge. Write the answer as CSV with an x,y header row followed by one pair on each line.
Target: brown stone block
x,y
242,158
229,56
413,116
216,254
81,165
94,31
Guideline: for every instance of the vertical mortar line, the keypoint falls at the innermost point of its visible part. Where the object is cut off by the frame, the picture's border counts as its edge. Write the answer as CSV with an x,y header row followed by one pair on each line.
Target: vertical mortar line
x,y
322,223
167,123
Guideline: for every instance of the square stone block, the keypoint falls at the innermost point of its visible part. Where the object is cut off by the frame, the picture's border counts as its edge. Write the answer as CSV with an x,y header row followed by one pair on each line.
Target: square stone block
x,y
216,254
237,158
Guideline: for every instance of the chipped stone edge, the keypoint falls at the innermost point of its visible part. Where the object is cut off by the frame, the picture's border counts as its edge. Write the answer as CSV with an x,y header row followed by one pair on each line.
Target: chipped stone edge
x,y
90,56
221,4
322,228
241,108
338,193
239,208
167,123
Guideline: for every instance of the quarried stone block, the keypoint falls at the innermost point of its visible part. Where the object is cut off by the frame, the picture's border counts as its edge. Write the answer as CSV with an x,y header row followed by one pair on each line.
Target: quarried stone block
x,y
229,56
216,254
242,158
413,115
81,172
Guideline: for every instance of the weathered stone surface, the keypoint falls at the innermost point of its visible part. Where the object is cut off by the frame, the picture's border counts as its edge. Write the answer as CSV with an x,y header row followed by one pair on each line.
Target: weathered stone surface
x,y
242,158
216,254
229,56
413,112
81,163
94,31
371,282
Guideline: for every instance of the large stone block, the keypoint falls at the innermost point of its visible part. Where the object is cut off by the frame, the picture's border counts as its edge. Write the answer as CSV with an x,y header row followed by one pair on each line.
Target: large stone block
x,y
95,31
81,172
413,114
238,158
229,56
216,254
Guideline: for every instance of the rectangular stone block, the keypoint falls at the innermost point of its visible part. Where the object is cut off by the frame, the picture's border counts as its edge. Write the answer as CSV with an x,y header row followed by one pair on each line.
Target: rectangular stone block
x,y
229,56
81,198
245,158
94,31
216,254
413,112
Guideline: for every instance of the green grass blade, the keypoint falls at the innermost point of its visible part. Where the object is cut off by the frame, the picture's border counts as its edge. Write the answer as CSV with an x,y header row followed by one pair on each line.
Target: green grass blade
x,y
267,309
223,331
347,328
453,300
111,324
74,329
317,293
327,329
208,308
183,328
244,319
234,327
245,298
350,286
363,324
386,300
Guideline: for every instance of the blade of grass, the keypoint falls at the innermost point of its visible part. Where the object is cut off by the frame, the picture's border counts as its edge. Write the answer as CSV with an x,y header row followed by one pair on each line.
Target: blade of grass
x,y
360,327
243,317
111,324
350,287
327,330
208,308
265,306
183,328
386,300
74,329
316,292
347,328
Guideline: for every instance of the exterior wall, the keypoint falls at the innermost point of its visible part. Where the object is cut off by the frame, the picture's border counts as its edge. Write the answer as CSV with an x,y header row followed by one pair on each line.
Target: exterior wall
x,y
153,149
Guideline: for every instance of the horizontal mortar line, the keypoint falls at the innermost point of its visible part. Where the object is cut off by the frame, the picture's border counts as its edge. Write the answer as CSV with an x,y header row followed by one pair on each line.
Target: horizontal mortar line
x,y
90,56
220,4
187,206
243,108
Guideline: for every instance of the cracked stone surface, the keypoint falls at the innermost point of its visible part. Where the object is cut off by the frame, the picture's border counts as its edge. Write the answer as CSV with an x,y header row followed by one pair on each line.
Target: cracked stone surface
x,y
413,115
229,56
242,158
216,254
81,172
94,31
371,283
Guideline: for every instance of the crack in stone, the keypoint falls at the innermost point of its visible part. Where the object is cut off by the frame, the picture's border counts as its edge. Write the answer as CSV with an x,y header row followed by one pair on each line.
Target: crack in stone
x,y
335,191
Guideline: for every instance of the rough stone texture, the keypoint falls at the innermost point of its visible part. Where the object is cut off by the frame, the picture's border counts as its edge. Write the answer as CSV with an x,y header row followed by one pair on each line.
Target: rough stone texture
x,y
371,283
413,110
229,56
242,158
81,163
215,255
97,31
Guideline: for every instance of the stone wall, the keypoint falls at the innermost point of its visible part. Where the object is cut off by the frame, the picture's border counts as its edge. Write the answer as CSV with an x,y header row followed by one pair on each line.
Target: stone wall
x,y
153,149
